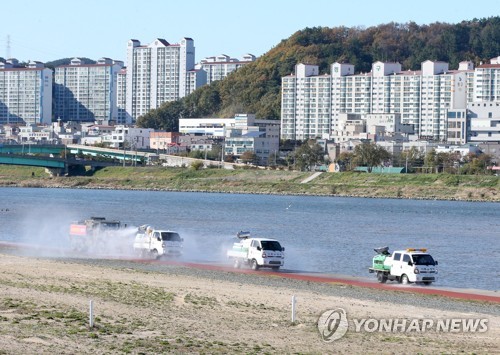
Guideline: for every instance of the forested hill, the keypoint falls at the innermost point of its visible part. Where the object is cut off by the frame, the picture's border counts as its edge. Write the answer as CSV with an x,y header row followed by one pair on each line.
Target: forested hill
x,y
255,88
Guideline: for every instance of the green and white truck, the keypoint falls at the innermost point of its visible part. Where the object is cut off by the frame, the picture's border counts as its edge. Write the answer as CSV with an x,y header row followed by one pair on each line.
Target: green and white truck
x,y
404,266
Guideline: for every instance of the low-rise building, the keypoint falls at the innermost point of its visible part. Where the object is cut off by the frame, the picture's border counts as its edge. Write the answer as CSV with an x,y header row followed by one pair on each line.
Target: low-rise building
x,y
128,137
484,120
161,141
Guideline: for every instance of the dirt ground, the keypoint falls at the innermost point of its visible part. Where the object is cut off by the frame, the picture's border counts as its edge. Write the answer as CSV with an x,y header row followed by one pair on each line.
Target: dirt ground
x,y
44,308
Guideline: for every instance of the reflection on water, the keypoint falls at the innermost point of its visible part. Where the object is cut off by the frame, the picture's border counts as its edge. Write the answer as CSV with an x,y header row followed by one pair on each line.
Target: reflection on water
x,y
321,234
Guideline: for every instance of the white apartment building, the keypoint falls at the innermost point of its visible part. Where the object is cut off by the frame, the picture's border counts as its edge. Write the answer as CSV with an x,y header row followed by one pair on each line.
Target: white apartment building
x,y
311,103
218,67
87,92
487,81
157,73
123,117
25,93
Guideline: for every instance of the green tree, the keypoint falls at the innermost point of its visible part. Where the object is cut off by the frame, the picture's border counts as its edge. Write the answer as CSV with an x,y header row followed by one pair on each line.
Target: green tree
x,y
475,164
307,155
410,158
345,161
431,161
370,155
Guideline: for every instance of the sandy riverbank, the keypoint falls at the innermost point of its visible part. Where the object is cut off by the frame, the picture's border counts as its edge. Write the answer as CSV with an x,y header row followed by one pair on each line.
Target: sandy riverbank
x,y
44,309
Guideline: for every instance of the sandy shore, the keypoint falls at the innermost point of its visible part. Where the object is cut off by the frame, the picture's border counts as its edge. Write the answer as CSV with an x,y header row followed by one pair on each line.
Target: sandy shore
x,y
44,309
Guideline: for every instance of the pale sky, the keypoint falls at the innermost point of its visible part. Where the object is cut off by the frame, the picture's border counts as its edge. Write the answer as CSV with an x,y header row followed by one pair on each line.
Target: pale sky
x,y
54,29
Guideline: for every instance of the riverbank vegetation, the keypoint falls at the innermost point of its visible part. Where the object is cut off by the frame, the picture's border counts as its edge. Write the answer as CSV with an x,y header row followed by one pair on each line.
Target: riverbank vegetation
x,y
416,186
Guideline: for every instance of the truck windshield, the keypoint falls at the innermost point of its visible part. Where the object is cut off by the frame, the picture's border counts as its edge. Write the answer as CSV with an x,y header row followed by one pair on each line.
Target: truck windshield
x,y
271,245
170,237
423,259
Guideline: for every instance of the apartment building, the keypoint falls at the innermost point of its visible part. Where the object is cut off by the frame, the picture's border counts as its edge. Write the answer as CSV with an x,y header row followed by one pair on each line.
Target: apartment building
x,y
312,102
218,67
157,73
87,92
25,93
487,81
123,117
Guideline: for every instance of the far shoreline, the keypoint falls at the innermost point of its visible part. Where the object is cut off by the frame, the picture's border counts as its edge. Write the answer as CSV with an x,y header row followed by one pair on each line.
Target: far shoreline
x,y
443,187
246,193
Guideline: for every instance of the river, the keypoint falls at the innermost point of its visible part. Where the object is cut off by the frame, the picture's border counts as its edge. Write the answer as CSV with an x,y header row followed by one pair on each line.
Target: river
x,y
321,234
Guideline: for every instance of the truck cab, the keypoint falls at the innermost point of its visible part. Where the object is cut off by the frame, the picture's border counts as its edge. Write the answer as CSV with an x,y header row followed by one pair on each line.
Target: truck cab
x,y
412,265
156,243
257,253
405,266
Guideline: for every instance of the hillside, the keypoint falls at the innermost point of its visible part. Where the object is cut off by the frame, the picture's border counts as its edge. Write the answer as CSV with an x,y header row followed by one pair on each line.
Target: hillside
x,y
67,61
255,88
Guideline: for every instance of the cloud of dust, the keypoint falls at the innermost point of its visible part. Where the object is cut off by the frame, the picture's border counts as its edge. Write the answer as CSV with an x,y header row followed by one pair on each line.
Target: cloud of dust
x,y
49,236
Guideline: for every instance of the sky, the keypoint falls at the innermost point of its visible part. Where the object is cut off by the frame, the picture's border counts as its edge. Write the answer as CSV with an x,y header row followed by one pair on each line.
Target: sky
x,y
54,29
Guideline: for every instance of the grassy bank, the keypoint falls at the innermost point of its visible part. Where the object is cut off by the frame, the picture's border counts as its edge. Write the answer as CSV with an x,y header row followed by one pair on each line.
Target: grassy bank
x,y
425,186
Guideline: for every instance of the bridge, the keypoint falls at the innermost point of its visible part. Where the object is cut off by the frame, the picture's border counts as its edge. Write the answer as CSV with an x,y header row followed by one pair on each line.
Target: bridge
x,y
49,156
52,157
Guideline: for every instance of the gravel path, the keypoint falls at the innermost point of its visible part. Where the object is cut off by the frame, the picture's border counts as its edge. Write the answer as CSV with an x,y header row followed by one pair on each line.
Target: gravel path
x,y
361,293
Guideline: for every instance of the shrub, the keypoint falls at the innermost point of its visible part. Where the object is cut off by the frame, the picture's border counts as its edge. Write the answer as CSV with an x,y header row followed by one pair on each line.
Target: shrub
x,y
197,165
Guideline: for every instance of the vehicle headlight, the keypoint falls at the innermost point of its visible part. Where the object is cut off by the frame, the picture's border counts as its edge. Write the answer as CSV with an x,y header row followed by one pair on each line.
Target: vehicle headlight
x,y
416,271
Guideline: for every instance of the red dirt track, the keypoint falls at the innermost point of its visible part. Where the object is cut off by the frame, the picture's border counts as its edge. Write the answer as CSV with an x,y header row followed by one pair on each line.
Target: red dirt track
x,y
324,278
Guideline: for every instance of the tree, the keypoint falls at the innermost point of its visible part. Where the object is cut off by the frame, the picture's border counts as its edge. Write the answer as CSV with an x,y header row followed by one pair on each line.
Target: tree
x,y
249,157
410,158
308,155
345,161
370,155
476,163
430,160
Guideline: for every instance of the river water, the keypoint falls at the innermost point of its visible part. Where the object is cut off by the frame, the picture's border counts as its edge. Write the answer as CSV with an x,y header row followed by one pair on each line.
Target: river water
x,y
320,234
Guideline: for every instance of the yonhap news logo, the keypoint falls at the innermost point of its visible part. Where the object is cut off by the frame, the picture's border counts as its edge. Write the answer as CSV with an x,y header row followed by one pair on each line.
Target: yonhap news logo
x,y
333,324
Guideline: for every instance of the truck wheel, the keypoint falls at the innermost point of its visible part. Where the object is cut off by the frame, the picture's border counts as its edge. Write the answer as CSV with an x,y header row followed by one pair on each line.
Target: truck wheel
x,y
154,254
404,279
255,266
236,264
381,277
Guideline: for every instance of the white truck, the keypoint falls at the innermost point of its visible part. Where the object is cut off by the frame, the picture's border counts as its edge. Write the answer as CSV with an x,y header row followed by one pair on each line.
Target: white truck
x,y
404,266
155,243
256,252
